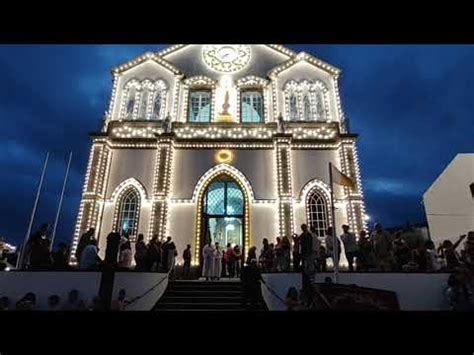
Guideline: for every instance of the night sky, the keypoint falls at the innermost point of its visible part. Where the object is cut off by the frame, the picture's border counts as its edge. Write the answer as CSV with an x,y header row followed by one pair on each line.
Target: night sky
x,y
412,106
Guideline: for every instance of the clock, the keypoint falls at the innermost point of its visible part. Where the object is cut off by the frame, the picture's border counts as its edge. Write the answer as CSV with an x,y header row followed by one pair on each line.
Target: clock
x,y
226,58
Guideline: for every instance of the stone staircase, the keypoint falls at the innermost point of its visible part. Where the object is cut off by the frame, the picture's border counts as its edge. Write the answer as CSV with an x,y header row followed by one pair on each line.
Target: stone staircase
x,y
207,296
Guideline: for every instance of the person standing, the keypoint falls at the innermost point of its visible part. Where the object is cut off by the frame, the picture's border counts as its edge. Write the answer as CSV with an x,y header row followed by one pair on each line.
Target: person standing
x,y
450,254
252,254
208,261
90,259
60,257
83,242
153,254
350,246
309,244
286,259
237,255
217,268
141,252
125,258
112,248
35,248
251,279
187,260
172,253
230,261
382,244
280,258
296,252
329,240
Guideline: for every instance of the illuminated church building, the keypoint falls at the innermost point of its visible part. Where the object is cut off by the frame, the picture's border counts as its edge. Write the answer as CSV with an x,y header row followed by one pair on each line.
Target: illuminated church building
x,y
230,142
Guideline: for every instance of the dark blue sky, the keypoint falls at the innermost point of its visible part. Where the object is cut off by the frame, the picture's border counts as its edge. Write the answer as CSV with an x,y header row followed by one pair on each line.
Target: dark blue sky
x,y
412,106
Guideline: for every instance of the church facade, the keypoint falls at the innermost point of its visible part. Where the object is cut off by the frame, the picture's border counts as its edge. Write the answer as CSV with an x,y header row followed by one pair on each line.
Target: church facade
x,y
227,142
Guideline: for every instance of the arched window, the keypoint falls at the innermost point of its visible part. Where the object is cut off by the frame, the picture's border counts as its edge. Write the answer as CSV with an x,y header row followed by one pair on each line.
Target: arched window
x,y
130,108
317,212
129,213
199,106
293,107
307,108
156,114
252,106
320,114
143,113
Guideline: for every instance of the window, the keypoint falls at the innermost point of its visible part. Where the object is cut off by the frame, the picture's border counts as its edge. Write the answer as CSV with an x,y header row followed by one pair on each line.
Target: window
x,y
306,108
293,108
320,114
472,189
143,106
252,106
156,106
199,106
129,213
317,212
130,104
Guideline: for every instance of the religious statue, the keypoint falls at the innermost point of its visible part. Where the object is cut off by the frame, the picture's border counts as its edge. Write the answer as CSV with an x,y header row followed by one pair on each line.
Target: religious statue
x,y
281,124
166,124
225,116
225,105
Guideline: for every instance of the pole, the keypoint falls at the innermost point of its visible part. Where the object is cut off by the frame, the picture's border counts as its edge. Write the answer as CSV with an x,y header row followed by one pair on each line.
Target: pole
x,y
19,263
334,238
60,201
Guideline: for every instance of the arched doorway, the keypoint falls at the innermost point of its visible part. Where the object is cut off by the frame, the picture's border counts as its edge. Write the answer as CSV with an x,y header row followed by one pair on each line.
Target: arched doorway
x,y
223,210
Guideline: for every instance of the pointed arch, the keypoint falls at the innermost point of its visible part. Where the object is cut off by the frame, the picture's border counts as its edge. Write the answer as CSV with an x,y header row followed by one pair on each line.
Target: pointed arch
x,y
223,169
131,182
316,197
198,194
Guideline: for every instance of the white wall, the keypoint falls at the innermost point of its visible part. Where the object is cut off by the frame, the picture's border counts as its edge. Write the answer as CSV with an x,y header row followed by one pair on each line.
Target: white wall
x,y
16,284
131,163
415,292
449,205
256,165
136,284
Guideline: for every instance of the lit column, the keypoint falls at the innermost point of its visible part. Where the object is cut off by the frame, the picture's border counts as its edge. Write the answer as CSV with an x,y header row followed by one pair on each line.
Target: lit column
x,y
161,185
93,193
355,198
285,190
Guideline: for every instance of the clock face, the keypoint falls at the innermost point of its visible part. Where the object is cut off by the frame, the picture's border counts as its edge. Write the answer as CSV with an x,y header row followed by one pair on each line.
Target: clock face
x,y
226,58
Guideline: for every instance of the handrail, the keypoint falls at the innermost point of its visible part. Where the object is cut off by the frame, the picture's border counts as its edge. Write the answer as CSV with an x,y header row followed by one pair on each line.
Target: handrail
x,y
274,293
133,300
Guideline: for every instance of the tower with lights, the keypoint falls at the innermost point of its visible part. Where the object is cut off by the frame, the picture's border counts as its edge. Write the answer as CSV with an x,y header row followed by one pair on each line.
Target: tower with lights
x,y
227,143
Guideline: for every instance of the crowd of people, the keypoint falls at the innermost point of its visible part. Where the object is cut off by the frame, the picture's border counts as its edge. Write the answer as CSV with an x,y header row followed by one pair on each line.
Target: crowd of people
x,y
73,302
379,250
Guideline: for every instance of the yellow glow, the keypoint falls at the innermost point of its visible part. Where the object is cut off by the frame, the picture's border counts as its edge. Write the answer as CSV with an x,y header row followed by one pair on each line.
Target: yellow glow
x,y
224,156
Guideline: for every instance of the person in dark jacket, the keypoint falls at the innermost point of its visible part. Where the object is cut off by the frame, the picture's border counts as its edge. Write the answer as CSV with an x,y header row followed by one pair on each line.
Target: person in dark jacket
x,y
153,254
112,248
60,257
251,279
309,255
35,248
141,252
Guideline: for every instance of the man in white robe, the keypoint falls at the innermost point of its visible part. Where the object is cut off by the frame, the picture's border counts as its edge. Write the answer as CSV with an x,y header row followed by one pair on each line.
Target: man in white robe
x,y
217,270
208,257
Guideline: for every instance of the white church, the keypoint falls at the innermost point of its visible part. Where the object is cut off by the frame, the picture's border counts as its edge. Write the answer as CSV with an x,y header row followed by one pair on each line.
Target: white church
x,y
227,141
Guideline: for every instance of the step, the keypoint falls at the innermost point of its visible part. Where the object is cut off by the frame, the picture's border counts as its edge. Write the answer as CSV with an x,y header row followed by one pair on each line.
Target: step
x,y
203,299
198,305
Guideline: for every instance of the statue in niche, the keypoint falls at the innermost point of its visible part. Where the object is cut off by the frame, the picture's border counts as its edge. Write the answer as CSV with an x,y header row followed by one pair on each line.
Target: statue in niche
x,y
166,124
281,124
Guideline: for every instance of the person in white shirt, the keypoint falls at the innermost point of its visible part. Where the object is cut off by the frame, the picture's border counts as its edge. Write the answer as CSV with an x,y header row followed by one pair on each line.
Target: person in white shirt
x,y
125,257
90,259
350,246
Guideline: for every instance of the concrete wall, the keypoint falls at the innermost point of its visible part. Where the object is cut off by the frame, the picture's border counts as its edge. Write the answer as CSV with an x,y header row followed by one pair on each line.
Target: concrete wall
x,y
136,284
415,292
44,284
15,284
449,204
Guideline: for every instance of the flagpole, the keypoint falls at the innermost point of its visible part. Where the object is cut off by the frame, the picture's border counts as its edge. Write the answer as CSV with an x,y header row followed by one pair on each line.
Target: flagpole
x,y
21,256
334,238
60,201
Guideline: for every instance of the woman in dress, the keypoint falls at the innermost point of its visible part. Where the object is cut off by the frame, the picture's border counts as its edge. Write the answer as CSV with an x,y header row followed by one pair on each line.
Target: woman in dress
x,y
217,269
